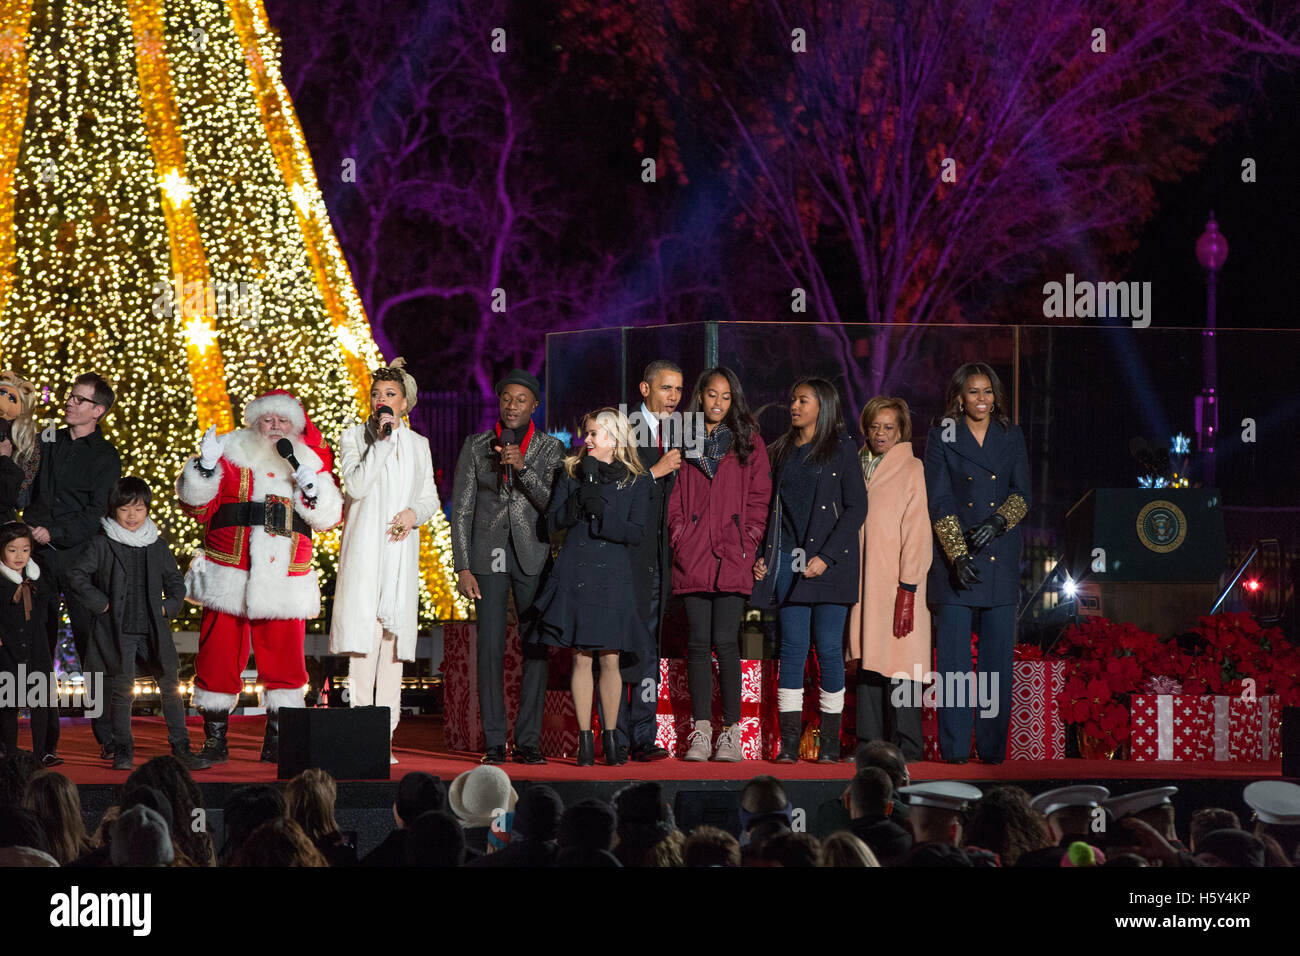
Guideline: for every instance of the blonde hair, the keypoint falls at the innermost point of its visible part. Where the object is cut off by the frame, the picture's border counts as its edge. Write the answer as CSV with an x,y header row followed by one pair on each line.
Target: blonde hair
x,y
24,428
847,849
620,429
310,797
878,405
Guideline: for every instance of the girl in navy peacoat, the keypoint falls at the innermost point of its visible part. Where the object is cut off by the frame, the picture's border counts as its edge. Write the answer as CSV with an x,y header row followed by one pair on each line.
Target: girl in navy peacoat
x,y
977,482
601,501
811,559
24,650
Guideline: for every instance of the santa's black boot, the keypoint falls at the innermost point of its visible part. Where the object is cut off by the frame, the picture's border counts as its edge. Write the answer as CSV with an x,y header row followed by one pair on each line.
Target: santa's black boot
x,y
271,742
215,725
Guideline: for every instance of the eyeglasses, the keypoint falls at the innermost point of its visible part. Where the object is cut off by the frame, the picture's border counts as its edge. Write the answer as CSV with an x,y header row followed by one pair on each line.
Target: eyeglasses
x,y
77,400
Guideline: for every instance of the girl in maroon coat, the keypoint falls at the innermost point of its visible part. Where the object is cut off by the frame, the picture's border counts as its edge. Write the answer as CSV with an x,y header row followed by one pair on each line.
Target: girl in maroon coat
x,y
717,517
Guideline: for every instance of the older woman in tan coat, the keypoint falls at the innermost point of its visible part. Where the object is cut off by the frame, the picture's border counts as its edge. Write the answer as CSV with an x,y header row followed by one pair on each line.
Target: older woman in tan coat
x,y
889,627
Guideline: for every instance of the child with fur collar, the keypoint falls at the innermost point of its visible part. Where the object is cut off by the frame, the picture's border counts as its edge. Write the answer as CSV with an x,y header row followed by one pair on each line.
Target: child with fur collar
x,y
128,578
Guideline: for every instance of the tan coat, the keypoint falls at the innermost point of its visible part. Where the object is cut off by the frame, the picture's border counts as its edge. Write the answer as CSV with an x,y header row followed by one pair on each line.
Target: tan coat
x,y
897,546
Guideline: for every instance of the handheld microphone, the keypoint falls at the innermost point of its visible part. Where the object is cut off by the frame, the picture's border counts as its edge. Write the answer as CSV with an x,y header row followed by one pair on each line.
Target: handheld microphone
x,y
285,448
508,438
388,426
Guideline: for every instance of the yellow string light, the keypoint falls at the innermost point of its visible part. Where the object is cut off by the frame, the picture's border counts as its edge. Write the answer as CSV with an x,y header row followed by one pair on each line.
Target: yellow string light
x,y
161,152
15,16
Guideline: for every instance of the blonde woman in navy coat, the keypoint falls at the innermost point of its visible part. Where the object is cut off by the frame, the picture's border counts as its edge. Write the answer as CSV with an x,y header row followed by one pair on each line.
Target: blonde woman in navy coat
x,y
602,503
977,480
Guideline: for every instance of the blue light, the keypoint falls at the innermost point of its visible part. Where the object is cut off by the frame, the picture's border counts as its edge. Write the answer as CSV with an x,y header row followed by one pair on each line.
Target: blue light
x,y
1180,444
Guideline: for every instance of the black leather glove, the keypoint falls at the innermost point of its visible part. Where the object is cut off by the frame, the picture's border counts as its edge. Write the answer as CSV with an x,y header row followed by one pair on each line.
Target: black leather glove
x,y
984,532
591,500
967,574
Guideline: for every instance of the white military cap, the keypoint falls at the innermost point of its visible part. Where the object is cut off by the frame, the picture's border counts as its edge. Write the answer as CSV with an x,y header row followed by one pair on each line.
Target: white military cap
x,y
1079,795
944,794
1137,802
1274,801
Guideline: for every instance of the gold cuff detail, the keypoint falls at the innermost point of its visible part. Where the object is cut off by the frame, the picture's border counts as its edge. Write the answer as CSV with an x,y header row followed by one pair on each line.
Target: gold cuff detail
x,y
950,537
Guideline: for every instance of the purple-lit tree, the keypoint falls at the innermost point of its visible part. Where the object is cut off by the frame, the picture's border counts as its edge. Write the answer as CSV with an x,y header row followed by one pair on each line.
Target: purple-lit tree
x,y
917,162
471,224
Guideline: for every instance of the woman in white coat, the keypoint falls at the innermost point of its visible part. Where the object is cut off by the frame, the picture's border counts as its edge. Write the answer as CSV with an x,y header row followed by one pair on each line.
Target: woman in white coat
x,y
388,478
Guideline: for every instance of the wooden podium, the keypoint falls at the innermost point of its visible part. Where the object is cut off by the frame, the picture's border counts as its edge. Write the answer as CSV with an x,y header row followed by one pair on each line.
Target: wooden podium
x,y
1151,557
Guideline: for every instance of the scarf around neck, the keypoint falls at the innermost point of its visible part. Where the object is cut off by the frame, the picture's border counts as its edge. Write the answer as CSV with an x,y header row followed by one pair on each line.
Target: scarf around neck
x,y
712,450
141,537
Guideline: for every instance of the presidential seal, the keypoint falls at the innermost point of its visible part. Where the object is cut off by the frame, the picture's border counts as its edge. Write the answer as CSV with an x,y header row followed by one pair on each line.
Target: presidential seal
x,y
1161,526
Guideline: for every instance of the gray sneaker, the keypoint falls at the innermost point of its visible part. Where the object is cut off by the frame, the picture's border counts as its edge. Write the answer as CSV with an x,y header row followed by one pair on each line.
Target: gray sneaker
x,y
729,745
700,741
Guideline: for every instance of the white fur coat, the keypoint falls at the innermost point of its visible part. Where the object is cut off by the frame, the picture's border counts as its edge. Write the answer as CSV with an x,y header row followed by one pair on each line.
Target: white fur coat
x,y
369,515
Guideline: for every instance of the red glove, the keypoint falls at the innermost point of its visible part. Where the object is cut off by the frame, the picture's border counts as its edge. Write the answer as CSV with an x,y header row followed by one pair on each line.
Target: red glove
x,y
904,608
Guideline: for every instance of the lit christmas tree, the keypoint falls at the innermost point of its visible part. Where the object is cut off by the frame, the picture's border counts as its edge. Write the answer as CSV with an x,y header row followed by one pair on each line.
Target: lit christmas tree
x,y
161,224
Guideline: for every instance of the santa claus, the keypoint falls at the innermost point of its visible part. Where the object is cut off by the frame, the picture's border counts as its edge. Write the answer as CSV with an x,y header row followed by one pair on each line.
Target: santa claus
x,y
259,492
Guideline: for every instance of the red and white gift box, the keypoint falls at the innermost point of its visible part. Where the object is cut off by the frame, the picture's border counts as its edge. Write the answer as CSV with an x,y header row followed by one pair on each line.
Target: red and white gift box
x,y
462,727
1247,728
759,737
1172,727
1037,730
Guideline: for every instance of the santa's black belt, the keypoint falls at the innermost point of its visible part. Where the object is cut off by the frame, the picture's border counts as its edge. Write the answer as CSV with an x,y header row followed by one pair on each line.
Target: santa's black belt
x,y
272,514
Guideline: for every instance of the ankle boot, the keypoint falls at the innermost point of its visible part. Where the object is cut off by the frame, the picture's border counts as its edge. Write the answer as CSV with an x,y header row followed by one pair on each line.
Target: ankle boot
x,y
609,744
586,748
791,723
123,758
189,760
271,741
829,751
215,725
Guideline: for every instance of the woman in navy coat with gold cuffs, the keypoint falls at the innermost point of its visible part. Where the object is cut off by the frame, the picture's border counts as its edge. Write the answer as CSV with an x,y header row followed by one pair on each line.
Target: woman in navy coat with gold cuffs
x,y
977,481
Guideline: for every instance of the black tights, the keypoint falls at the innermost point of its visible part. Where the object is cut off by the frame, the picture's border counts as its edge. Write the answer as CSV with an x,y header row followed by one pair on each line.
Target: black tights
x,y
715,624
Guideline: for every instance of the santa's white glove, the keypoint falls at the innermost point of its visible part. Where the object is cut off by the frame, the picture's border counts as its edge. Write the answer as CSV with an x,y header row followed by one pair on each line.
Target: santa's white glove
x,y
210,448
306,479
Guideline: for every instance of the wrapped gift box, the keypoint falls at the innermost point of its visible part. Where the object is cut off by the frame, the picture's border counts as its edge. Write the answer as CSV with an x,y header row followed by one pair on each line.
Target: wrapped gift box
x,y
759,736
1037,730
1253,728
462,727
559,736
1172,727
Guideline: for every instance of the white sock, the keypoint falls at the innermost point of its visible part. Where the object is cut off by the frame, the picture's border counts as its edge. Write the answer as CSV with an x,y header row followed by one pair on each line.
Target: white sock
x,y
832,703
789,699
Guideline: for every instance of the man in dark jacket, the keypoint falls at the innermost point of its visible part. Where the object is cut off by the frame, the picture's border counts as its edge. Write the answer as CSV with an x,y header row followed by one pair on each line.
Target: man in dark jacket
x,y
418,793
78,470
532,838
871,798
499,542
660,452
936,823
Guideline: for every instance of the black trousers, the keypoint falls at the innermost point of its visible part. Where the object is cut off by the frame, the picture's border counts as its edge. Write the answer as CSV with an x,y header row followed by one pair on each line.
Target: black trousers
x,y
714,621
881,718
41,716
637,726
83,621
491,610
121,686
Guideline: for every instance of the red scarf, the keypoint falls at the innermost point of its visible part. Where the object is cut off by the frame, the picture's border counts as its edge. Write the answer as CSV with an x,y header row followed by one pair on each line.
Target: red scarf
x,y
523,445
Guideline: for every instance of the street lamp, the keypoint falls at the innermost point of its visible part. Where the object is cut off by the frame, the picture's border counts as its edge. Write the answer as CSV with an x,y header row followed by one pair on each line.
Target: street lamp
x,y
1211,252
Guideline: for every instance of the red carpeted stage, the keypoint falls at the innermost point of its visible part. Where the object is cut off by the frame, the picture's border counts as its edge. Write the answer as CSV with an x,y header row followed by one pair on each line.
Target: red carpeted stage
x,y
418,746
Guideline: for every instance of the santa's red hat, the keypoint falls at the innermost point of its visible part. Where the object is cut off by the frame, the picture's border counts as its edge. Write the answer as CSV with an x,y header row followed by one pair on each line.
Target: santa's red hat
x,y
282,403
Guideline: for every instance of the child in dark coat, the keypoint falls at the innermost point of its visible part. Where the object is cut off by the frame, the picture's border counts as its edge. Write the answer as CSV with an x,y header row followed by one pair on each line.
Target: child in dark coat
x,y
24,604
128,578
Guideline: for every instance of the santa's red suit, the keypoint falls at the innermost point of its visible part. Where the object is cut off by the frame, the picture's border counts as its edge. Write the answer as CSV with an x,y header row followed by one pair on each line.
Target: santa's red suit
x,y
253,574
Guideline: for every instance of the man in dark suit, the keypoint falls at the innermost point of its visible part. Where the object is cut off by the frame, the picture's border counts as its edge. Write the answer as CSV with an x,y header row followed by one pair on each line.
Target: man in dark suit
x,y
78,470
660,452
504,479
871,800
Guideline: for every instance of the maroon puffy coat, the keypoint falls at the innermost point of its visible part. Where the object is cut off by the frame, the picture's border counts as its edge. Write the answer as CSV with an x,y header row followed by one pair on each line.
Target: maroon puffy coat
x,y
716,527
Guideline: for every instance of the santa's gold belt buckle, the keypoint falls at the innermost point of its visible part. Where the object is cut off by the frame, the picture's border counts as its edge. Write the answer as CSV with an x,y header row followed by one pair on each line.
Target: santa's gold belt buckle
x,y
277,515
